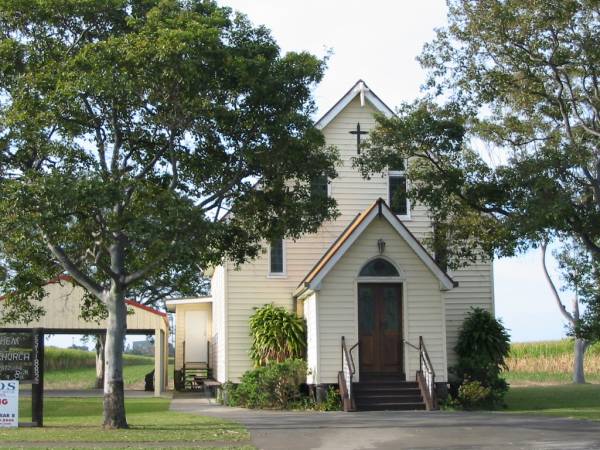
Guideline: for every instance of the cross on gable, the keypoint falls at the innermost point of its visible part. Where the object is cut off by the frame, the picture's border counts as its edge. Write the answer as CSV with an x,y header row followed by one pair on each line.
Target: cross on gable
x,y
358,133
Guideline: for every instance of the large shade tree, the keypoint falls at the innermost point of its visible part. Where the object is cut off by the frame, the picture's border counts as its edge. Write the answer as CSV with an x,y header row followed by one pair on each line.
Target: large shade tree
x,y
505,144
132,137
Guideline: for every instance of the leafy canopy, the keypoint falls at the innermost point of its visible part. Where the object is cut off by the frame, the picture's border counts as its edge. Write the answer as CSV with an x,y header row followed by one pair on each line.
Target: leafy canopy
x,y
505,145
129,129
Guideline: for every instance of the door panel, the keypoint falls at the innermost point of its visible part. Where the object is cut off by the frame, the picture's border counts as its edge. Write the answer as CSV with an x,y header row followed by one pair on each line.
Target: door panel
x,y
367,324
380,327
391,330
196,338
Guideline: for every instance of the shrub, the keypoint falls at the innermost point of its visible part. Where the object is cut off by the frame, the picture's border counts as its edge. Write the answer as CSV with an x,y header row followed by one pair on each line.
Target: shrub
x,y
482,347
275,385
333,402
277,335
473,395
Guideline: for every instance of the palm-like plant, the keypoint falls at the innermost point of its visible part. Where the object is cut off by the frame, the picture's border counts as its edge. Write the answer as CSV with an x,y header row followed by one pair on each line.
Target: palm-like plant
x,y
277,335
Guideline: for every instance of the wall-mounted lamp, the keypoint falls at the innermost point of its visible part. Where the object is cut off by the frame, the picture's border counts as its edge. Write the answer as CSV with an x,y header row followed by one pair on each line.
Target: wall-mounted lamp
x,y
381,246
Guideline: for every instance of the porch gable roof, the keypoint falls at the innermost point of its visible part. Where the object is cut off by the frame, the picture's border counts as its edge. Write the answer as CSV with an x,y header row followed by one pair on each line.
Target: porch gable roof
x,y
345,240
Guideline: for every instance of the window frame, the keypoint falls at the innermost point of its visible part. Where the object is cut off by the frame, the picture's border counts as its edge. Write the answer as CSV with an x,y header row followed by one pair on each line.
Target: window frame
x,y
327,184
283,273
399,173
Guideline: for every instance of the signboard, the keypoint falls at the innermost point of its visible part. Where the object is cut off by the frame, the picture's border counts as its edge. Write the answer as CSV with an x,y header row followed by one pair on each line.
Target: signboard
x,y
19,357
9,403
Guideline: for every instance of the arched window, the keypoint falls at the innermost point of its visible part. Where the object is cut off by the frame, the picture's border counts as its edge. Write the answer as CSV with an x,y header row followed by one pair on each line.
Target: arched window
x,y
379,267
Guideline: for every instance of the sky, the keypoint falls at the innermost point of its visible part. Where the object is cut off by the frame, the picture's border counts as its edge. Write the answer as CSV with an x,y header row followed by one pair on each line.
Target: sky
x,y
378,41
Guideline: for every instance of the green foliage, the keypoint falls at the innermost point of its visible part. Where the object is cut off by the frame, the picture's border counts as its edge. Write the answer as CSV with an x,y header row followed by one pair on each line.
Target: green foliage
x,y
333,401
503,147
127,128
275,385
482,347
473,395
277,335
547,349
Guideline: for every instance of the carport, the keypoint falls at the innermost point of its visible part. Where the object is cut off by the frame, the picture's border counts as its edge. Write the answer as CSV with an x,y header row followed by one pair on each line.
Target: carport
x,y
63,305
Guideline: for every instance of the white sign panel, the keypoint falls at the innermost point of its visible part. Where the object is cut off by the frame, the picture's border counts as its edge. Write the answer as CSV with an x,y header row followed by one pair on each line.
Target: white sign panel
x,y
9,403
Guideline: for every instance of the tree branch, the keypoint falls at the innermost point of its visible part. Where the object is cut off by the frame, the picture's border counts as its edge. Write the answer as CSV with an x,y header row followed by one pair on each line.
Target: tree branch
x,y
90,285
561,307
100,139
139,274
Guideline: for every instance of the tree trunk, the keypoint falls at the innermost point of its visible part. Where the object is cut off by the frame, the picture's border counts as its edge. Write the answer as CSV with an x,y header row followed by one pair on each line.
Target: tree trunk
x,y
100,343
578,373
114,395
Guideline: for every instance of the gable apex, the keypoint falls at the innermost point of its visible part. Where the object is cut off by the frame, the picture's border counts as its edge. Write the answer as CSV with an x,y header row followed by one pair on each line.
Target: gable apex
x,y
360,89
344,241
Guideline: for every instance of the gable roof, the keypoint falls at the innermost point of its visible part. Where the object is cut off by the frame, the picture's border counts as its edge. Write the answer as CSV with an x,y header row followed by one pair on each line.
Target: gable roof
x,y
360,88
351,234
69,279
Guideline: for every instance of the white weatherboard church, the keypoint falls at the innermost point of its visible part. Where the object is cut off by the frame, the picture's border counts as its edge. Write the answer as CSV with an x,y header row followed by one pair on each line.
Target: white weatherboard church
x,y
365,277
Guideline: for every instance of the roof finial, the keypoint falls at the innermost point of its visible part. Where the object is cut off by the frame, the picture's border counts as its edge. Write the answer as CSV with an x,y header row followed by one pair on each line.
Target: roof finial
x,y
361,88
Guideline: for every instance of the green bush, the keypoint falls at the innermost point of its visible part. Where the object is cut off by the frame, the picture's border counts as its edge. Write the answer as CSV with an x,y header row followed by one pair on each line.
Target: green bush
x,y
482,347
473,395
333,402
275,385
277,335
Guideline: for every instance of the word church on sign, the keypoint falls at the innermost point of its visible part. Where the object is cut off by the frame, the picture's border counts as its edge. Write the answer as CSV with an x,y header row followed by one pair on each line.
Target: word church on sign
x,y
18,356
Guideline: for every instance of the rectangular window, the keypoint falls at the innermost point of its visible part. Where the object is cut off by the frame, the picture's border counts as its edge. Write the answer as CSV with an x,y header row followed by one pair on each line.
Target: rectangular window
x,y
319,186
276,255
397,193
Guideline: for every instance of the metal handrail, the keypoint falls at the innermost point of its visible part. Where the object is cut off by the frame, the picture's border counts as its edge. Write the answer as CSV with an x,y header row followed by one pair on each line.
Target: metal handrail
x,y
346,375
426,374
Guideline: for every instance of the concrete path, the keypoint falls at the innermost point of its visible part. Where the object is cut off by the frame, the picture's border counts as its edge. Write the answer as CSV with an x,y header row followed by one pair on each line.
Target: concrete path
x,y
277,430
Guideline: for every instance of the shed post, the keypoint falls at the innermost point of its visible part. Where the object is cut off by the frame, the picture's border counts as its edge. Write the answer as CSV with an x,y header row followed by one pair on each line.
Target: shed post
x,y
166,360
158,361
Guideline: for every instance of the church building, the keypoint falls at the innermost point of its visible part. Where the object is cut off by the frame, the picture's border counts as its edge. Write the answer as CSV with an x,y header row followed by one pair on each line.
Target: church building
x,y
380,311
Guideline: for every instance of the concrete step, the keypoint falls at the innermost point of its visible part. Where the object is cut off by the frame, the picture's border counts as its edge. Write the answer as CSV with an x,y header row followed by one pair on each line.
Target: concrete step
x,y
384,383
390,406
391,398
385,388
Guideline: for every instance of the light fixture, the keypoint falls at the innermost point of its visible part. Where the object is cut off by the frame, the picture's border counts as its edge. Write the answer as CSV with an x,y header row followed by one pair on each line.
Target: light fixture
x,y
381,246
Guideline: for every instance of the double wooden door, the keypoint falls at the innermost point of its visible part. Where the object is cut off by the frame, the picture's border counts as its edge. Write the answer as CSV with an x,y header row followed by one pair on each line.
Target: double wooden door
x,y
380,327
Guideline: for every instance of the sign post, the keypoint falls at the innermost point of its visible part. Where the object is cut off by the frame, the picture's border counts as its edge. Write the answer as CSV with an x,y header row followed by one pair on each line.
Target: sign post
x,y
37,387
22,360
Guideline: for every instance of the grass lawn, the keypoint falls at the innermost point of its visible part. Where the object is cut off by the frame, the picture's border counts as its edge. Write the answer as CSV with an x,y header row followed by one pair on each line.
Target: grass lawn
x,y
85,377
576,401
516,378
78,420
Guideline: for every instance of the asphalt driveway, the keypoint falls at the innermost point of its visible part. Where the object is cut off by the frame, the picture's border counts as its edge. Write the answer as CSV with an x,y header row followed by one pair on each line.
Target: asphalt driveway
x,y
279,430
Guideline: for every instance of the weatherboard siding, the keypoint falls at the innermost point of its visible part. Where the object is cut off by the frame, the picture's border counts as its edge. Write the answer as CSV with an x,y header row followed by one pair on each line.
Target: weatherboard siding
x,y
422,303
249,286
218,339
312,338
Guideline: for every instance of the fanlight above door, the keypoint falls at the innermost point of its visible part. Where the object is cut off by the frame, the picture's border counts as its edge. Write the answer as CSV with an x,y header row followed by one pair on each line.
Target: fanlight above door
x,y
379,267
